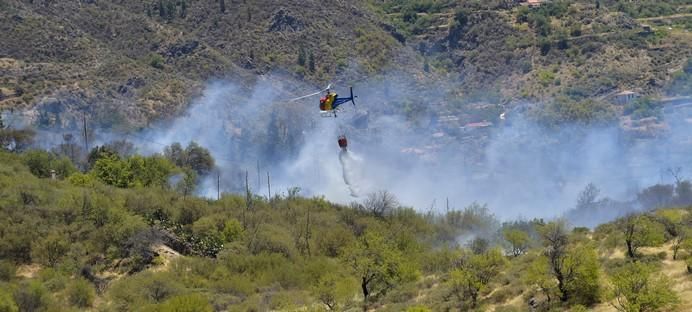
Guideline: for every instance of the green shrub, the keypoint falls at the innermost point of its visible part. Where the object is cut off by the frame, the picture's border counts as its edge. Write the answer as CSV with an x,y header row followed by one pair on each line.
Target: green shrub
x,y
186,303
42,163
81,179
81,293
53,279
7,270
232,230
578,308
49,250
662,255
156,61
418,309
31,296
7,304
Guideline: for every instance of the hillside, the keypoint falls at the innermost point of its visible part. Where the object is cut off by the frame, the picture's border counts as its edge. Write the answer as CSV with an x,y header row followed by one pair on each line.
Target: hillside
x,y
134,61
81,244
151,158
146,60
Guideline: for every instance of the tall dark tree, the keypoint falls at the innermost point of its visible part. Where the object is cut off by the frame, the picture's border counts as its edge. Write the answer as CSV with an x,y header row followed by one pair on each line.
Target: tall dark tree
x,y
162,9
311,62
587,198
199,159
170,10
555,240
183,8
194,157
175,153
301,57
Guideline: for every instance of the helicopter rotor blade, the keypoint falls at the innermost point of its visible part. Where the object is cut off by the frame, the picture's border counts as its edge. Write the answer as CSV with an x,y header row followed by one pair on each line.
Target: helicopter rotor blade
x,y
312,94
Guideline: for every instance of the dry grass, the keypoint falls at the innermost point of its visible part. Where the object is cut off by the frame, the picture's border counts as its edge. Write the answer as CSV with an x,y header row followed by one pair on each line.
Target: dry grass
x,y
28,270
167,256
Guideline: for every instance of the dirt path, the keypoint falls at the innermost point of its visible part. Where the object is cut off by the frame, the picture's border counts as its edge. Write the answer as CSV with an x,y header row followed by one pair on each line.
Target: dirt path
x,y
657,18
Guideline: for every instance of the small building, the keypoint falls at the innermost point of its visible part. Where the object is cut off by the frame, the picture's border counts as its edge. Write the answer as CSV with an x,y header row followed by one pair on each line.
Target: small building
x,y
531,3
476,125
625,97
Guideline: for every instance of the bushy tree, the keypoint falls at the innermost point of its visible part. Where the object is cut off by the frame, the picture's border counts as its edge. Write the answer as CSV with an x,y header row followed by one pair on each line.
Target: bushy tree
x,y
334,290
657,196
474,274
185,182
640,231
683,193
377,264
574,267
682,241
49,250
198,159
16,140
582,275
539,273
7,303
587,198
381,203
42,164
193,156
676,225
636,287
99,152
134,171
81,294
112,171
31,296
150,171
518,241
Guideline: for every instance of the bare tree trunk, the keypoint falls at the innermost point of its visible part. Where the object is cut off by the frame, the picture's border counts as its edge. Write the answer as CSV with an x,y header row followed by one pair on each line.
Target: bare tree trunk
x,y
630,248
366,293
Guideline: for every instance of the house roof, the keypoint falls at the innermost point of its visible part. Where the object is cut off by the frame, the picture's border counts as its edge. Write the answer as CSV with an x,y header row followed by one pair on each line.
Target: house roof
x,y
481,124
626,92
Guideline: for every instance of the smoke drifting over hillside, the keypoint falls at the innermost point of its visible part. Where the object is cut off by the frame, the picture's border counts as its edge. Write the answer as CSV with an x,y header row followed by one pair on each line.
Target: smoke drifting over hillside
x,y
521,170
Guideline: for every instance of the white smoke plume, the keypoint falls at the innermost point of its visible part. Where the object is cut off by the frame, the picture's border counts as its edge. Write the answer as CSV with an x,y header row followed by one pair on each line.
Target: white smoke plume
x,y
520,169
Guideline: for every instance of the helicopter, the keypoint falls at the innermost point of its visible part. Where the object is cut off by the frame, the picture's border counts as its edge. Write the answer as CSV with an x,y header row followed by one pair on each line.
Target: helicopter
x,y
330,103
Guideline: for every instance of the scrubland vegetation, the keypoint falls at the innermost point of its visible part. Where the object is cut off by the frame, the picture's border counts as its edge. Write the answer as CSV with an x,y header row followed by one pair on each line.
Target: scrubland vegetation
x,y
122,233
105,229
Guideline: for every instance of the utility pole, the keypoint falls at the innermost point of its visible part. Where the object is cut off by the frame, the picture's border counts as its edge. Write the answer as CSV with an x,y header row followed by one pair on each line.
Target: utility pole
x,y
86,135
307,231
218,185
269,187
247,201
259,179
